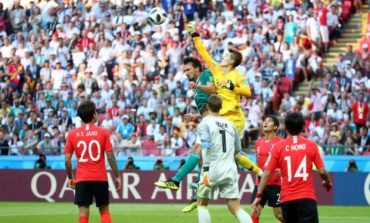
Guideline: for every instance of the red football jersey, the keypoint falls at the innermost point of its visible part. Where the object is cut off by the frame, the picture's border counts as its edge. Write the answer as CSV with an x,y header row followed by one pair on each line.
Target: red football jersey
x,y
295,156
90,143
263,149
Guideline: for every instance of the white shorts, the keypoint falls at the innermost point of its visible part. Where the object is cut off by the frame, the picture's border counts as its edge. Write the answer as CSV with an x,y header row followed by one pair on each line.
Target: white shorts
x,y
197,140
229,190
324,30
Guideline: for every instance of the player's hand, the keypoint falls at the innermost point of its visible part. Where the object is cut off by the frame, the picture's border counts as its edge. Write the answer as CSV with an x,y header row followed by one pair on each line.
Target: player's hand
x,y
278,172
193,85
256,206
192,117
327,185
118,183
190,28
72,183
226,84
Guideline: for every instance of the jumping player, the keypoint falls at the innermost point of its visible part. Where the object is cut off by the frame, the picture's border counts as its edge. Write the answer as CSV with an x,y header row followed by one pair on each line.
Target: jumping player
x,y
90,143
271,194
295,156
220,142
203,84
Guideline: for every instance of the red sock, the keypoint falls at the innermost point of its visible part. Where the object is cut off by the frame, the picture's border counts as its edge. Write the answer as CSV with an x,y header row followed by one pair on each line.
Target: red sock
x,y
105,217
255,219
84,219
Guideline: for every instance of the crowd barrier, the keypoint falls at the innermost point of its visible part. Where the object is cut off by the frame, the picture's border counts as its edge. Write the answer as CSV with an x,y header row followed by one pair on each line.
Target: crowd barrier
x,y
332,163
138,187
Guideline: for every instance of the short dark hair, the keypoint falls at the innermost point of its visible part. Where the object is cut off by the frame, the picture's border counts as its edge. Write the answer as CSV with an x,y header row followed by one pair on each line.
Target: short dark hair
x,y
86,111
294,123
194,62
214,103
274,119
236,56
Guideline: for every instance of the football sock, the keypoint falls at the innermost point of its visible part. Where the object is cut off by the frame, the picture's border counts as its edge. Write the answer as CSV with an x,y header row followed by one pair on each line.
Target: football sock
x,y
203,215
249,165
255,219
84,219
105,217
189,166
243,216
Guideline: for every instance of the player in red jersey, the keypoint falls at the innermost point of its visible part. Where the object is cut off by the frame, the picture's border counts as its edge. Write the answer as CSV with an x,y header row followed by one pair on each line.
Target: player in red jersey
x,y
295,156
89,142
263,147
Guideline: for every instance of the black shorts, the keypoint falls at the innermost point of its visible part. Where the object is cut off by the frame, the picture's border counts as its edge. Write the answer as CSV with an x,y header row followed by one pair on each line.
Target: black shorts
x,y
87,190
302,211
271,195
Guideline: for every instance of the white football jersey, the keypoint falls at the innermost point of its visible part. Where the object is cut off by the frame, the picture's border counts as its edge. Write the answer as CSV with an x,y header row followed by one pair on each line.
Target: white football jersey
x,y
220,142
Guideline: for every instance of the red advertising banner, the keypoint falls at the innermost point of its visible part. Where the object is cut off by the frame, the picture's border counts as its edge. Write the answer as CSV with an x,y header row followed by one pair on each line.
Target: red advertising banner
x,y
137,187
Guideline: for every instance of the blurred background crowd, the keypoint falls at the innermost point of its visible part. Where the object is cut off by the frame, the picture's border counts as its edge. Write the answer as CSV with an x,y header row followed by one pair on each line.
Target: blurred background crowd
x,y
56,54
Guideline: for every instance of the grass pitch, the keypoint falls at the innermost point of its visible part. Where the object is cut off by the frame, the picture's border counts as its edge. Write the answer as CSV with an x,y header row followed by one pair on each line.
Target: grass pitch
x,y
29,212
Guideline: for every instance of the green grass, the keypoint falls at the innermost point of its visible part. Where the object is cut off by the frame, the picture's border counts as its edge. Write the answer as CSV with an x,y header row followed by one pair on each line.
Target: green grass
x,y
28,212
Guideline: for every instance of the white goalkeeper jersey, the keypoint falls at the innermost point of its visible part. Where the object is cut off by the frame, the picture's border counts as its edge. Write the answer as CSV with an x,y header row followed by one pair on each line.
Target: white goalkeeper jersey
x,y
220,142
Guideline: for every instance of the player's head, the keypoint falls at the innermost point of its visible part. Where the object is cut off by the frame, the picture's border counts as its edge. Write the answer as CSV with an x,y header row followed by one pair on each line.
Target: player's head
x,y
294,123
87,112
192,68
270,123
233,58
214,103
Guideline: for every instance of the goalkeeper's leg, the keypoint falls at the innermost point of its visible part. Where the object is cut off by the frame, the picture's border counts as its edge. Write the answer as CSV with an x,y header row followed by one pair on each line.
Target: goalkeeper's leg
x,y
245,162
190,164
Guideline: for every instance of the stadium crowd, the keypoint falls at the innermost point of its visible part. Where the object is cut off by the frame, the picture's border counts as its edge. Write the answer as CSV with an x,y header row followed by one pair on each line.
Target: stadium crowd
x,y
56,54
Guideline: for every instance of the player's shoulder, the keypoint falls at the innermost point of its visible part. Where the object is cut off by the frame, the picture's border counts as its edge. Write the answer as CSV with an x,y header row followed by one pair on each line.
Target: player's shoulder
x,y
276,139
206,73
259,141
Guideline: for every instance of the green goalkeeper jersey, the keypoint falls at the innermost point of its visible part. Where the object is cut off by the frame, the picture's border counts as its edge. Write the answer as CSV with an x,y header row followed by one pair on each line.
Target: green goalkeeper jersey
x,y
201,97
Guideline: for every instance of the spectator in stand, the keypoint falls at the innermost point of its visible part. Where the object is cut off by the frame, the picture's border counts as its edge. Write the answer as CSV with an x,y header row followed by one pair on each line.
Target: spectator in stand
x,y
360,111
158,165
41,162
4,144
125,128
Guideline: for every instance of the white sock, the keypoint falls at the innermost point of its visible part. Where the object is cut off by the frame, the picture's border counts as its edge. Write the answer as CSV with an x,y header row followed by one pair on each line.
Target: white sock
x,y
203,215
260,174
243,216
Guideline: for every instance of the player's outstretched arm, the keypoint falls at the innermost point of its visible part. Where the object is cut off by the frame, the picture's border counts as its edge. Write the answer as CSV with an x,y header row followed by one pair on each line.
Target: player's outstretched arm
x,y
113,164
190,28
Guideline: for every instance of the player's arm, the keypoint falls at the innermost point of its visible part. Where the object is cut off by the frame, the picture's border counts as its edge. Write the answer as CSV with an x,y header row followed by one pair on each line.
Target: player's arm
x,y
112,161
210,88
327,183
242,88
68,151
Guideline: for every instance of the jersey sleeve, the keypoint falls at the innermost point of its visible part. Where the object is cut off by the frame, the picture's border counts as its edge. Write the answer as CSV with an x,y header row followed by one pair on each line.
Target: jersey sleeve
x,y
237,142
210,78
204,135
242,86
273,161
69,146
205,55
107,144
317,159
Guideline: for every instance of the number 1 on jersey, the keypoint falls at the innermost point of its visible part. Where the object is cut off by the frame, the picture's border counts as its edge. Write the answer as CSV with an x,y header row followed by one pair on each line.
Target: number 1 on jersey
x,y
222,132
301,171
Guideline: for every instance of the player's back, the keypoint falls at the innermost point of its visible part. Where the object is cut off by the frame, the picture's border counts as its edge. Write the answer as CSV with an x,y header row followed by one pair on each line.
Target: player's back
x,y
220,157
295,157
89,142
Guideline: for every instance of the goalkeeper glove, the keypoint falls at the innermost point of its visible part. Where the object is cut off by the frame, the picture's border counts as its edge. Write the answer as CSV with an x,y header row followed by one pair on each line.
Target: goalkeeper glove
x,y
190,29
230,85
